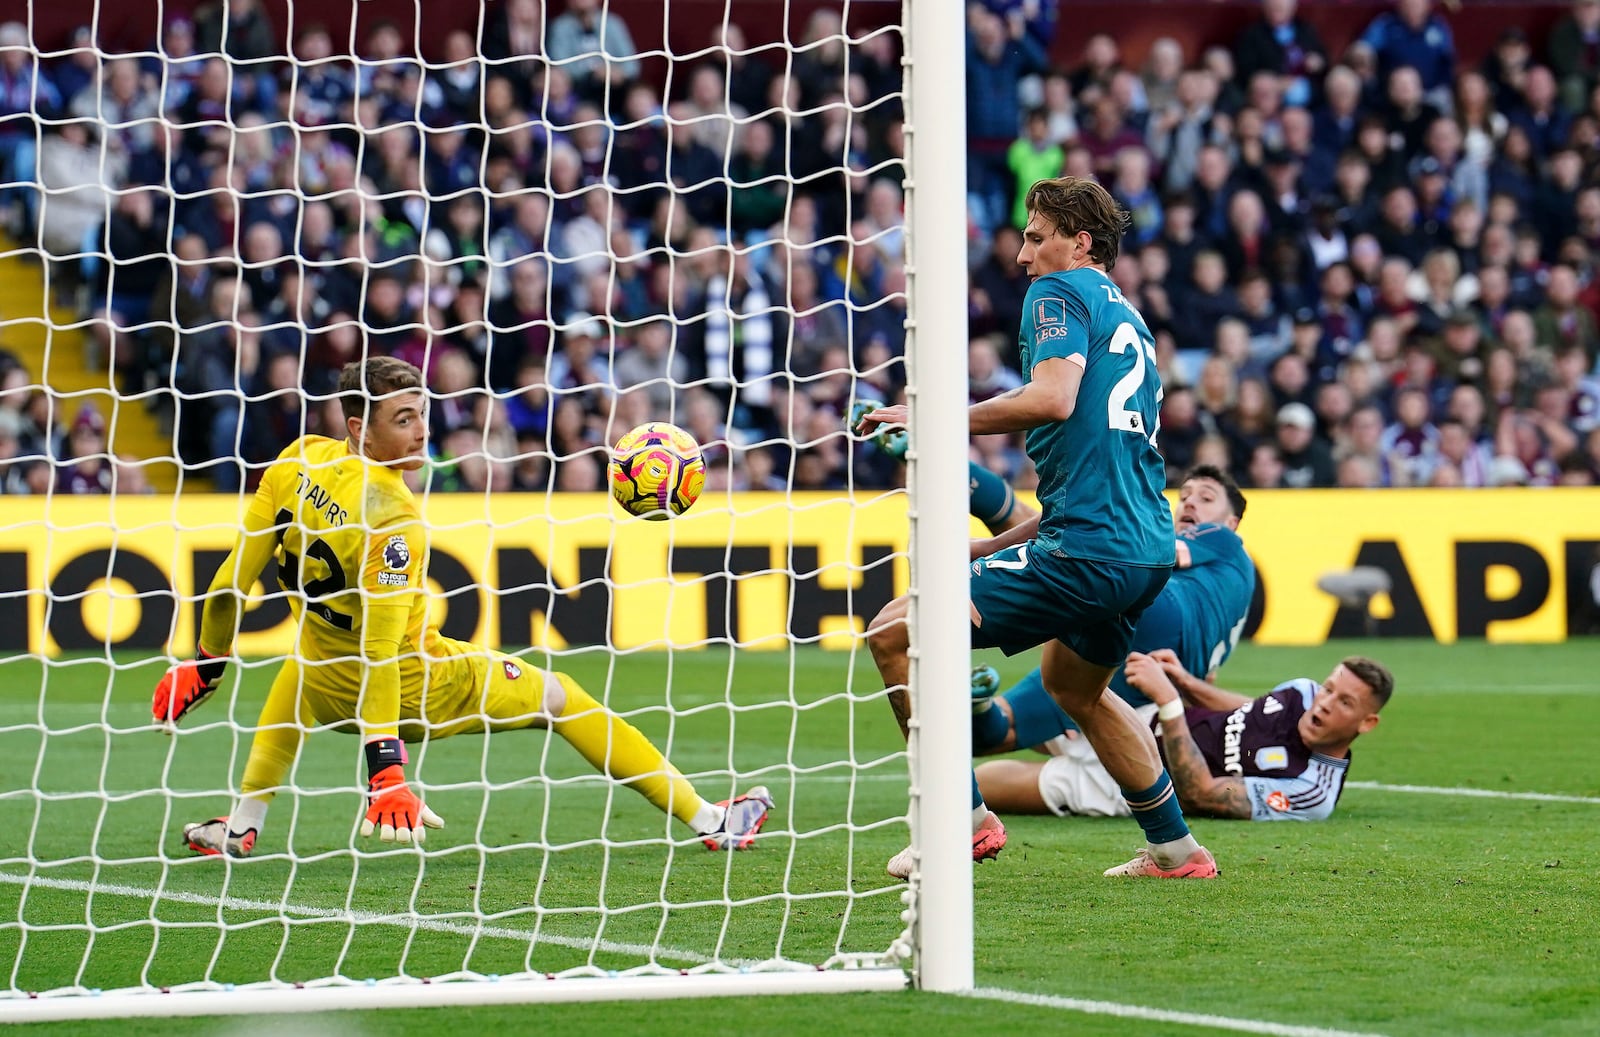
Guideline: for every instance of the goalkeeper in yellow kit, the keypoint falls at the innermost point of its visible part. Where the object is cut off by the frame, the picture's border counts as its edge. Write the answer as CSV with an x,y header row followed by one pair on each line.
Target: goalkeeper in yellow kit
x,y
351,548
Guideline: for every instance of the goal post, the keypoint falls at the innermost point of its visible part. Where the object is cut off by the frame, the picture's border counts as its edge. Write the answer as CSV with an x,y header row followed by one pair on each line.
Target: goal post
x,y
941,634
731,636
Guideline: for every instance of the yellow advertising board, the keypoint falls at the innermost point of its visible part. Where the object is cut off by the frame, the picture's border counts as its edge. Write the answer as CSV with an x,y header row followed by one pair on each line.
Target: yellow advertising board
x,y
763,570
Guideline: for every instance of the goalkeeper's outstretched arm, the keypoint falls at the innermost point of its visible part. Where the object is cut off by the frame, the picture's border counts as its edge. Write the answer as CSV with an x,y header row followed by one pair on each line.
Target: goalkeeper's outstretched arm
x,y
394,811
232,583
188,684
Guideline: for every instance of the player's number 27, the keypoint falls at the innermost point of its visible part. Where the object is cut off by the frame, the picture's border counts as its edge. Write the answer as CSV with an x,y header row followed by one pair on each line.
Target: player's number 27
x,y
1118,416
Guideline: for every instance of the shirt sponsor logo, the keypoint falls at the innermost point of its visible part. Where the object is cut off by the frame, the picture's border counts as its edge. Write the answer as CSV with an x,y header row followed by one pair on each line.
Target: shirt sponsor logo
x,y
1272,758
393,579
1232,731
1049,311
1278,801
1046,334
397,553
1272,706
513,671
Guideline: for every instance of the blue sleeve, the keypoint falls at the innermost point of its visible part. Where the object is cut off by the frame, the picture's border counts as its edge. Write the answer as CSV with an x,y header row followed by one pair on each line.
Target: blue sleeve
x,y
1277,799
1209,544
1305,686
1056,322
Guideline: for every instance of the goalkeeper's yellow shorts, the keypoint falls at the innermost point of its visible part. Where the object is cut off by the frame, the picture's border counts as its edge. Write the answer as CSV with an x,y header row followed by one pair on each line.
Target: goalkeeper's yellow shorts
x,y
463,689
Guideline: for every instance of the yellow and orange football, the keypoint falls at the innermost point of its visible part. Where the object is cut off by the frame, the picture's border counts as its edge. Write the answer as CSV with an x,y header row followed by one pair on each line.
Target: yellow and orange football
x,y
657,471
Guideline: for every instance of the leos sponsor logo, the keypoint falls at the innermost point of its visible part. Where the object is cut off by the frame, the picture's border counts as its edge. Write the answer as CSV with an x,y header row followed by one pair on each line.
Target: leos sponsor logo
x,y
1046,334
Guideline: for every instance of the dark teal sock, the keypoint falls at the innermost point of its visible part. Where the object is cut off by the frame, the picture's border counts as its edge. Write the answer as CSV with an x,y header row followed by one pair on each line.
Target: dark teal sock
x,y
1157,811
990,499
1034,714
988,730
977,797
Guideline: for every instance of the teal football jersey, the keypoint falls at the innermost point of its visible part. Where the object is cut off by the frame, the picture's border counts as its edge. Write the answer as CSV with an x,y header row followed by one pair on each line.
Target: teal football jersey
x,y
1201,611
1100,477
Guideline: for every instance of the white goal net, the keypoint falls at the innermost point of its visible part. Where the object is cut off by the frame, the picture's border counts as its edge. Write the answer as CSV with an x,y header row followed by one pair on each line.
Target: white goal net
x,y
573,218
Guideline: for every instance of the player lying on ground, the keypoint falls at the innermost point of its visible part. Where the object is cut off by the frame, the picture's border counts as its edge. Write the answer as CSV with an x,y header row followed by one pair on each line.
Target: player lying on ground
x,y
1078,578
351,549
1198,615
1280,757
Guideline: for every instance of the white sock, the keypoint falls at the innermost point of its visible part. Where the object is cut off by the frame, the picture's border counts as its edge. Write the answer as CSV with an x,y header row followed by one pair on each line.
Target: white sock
x,y
248,813
1170,855
708,818
979,812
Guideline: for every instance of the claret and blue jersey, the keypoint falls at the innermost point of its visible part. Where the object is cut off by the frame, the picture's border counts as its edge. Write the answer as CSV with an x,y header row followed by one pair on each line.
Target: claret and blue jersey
x,y
1260,744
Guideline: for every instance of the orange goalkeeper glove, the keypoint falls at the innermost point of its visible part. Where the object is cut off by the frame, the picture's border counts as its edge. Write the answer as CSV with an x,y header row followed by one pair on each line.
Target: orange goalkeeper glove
x,y
393,810
185,686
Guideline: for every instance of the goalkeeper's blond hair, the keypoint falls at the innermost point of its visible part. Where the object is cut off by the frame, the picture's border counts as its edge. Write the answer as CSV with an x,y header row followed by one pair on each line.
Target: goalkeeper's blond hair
x,y
364,382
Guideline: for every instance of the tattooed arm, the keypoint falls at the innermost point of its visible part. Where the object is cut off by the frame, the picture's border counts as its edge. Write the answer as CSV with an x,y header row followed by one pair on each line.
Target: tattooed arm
x,y
1199,791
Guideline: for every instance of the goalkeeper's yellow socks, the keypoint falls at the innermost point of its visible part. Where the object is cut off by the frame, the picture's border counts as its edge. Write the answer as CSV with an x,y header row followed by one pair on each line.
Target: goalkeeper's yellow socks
x,y
614,746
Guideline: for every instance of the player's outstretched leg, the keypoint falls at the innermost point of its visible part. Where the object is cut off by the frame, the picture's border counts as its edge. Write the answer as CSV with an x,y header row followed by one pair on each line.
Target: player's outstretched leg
x,y
889,642
1127,750
617,748
1023,716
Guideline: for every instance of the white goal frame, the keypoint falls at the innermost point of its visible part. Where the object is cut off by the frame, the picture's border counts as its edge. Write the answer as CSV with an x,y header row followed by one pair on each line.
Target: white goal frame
x,y
935,950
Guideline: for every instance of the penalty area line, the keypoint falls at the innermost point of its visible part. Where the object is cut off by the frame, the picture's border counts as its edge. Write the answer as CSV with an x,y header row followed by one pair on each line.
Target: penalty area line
x,y
1158,1015
304,912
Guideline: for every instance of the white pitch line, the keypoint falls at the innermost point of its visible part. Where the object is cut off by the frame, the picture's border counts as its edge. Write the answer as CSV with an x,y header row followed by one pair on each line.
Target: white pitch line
x,y
1158,1015
434,925
1435,790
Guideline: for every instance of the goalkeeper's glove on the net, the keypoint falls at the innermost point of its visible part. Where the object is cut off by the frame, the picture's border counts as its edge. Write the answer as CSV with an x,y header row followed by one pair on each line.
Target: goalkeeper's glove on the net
x,y
185,686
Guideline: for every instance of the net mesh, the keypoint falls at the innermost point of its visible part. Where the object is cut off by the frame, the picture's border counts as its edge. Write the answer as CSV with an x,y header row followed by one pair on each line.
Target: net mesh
x,y
572,221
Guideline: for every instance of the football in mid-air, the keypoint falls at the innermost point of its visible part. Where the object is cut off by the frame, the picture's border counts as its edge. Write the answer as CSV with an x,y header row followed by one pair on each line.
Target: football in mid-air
x,y
657,471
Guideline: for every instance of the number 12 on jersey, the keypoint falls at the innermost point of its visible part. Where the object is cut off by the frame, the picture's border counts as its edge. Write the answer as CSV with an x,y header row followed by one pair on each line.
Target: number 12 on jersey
x,y
1118,415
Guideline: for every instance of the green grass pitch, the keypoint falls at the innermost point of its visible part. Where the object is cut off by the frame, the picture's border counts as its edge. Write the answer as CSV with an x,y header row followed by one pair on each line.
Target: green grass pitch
x,y
1412,912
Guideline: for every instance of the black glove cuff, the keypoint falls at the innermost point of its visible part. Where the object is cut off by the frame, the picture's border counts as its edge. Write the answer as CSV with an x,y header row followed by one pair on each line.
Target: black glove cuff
x,y
210,667
384,752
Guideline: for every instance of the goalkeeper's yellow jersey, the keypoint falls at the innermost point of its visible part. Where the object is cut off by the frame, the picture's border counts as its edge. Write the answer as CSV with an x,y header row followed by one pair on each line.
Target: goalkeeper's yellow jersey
x,y
351,551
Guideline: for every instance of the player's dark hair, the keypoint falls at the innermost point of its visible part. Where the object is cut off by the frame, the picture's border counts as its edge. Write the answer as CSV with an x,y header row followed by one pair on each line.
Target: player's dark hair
x,y
1075,204
1374,675
1229,488
365,382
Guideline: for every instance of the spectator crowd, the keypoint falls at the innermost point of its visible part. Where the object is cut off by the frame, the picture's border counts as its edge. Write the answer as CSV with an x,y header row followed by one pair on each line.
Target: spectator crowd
x,y
1371,268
